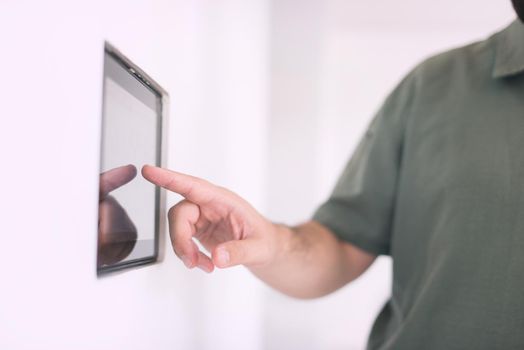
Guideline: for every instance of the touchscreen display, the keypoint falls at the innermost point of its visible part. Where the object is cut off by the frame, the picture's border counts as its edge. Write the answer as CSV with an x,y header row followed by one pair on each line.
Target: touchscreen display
x,y
128,204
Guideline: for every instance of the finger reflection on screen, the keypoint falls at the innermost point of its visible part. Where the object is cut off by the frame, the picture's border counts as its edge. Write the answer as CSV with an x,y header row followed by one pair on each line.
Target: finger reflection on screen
x,y
117,234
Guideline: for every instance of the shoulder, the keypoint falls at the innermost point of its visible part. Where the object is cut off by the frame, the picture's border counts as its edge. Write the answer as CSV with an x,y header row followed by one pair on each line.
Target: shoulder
x,y
475,59
440,76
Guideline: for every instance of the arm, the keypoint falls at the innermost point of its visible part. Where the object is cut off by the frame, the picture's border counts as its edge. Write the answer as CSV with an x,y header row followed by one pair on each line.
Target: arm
x,y
305,262
312,262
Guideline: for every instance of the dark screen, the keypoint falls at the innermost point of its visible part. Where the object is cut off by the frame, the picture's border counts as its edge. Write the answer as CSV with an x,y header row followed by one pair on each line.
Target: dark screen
x,y
128,204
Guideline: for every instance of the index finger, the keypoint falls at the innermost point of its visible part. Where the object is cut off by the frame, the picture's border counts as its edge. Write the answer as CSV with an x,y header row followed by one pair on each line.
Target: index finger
x,y
192,188
115,178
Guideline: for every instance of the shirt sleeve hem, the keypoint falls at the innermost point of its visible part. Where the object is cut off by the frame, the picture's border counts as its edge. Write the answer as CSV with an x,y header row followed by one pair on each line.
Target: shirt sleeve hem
x,y
325,218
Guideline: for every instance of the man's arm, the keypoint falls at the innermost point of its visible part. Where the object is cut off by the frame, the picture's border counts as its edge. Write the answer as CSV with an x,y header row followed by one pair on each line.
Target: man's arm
x,y
312,262
304,262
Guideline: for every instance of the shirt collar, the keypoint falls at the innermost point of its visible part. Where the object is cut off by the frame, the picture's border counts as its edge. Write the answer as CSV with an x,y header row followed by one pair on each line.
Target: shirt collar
x,y
509,51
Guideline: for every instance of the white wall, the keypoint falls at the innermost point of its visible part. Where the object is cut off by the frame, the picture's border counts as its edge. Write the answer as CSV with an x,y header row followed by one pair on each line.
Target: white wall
x,y
268,98
212,58
333,63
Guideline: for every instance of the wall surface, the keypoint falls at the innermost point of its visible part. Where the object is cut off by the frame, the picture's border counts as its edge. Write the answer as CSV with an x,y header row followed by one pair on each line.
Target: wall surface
x,y
212,58
268,98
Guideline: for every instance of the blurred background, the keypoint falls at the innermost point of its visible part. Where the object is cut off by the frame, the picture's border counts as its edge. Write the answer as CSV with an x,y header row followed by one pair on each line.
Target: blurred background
x,y
268,98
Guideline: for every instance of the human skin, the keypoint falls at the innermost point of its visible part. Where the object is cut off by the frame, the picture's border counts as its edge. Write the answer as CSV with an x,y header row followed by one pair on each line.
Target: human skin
x,y
305,261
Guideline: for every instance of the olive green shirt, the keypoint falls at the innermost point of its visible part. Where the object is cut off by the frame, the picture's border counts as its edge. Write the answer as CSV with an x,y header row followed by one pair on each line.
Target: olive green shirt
x,y
437,183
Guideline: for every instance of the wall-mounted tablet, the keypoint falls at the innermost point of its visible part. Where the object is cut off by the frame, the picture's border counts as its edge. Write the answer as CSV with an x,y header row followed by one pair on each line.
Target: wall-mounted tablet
x,y
133,125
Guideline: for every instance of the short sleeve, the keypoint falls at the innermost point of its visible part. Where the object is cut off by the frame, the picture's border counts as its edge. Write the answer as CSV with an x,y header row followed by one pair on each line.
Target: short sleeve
x,y
361,209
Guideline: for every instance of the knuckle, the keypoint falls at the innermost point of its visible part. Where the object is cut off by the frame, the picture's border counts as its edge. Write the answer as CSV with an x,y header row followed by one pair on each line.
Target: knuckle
x,y
224,190
174,211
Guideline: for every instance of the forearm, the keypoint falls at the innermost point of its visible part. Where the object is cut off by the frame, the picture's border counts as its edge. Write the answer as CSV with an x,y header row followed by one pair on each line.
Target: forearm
x,y
311,262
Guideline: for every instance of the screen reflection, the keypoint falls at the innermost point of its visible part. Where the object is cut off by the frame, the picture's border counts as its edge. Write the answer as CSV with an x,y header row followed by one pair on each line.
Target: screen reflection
x,y
117,234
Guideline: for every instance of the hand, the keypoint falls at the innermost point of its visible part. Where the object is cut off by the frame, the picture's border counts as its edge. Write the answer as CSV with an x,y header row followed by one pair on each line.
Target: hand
x,y
116,232
226,225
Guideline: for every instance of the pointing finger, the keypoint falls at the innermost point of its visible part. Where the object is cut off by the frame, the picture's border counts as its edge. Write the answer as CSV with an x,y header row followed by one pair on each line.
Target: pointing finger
x,y
192,188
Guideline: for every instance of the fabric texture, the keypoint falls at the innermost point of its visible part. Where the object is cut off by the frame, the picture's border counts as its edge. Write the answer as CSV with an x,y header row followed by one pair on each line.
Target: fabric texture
x,y
437,183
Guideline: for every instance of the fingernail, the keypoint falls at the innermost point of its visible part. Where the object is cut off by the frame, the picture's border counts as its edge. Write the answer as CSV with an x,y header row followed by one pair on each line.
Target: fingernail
x,y
204,268
223,256
186,261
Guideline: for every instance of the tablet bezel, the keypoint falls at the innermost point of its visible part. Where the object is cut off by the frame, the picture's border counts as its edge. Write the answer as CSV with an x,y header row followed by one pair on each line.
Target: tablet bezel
x,y
110,52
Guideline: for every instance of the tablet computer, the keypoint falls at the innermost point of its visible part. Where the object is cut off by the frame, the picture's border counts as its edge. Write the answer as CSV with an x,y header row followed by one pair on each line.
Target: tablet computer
x,y
133,127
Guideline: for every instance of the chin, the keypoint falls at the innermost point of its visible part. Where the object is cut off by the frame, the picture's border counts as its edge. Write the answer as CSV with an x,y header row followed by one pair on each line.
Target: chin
x,y
518,5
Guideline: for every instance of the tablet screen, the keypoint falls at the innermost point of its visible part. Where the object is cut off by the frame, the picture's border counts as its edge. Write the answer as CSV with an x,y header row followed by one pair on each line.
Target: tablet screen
x,y
128,204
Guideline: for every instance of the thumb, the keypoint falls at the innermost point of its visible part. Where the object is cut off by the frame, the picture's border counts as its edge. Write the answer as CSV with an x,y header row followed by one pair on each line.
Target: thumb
x,y
239,252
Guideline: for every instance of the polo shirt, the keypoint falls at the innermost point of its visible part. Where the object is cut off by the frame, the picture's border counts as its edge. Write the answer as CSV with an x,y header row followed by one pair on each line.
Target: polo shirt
x,y
437,183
